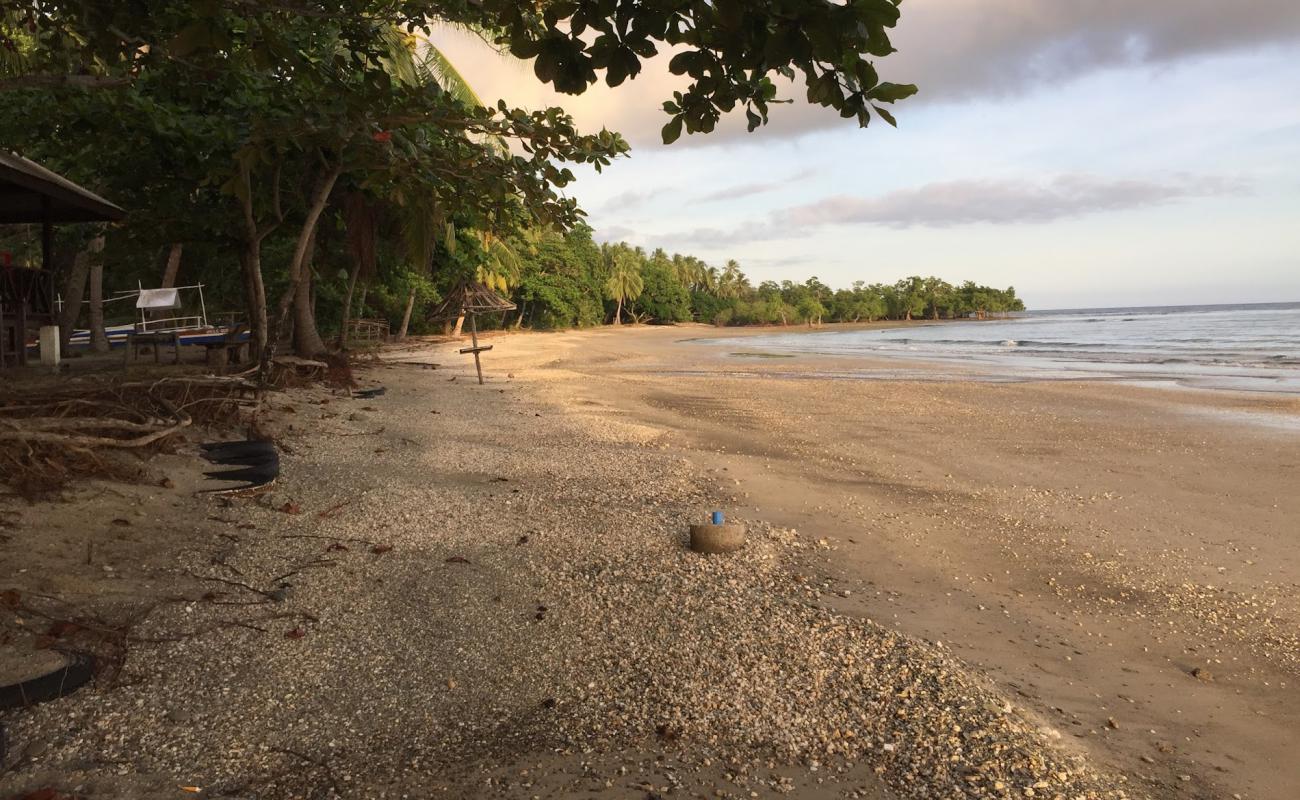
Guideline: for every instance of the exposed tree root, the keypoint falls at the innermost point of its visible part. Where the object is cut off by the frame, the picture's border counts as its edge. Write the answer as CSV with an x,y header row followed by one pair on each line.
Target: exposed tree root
x,y
69,431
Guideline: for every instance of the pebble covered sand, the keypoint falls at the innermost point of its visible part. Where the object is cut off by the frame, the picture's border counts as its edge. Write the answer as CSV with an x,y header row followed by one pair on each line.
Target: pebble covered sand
x,y
466,591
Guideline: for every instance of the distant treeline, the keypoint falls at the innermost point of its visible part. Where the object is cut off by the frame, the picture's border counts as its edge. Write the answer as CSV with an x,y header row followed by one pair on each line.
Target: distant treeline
x,y
571,281
556,279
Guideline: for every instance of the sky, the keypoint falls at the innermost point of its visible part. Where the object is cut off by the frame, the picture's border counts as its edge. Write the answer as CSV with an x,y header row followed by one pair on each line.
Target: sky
x,y
1101,153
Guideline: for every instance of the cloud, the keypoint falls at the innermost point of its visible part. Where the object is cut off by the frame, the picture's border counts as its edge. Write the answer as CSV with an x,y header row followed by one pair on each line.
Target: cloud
x,y
632,198
970,202
955,50
750,189
614,233
745,232
973,48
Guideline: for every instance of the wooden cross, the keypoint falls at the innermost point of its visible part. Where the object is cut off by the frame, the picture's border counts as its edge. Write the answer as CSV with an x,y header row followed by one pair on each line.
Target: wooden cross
x,y
476,349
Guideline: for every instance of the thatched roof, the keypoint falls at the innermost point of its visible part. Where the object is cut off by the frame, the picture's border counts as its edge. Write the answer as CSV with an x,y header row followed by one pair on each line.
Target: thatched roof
x,y
31,193
470,298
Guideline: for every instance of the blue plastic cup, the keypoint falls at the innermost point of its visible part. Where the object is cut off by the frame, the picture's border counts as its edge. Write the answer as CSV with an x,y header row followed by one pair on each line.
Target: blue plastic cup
x,y
717,517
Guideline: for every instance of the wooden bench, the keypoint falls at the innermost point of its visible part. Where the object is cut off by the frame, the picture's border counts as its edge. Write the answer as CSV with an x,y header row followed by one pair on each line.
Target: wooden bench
x,y
230,350
135,341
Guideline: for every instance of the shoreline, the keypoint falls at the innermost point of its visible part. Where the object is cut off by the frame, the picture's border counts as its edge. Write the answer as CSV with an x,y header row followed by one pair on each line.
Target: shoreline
x,y
1010,365
578,647
1188,464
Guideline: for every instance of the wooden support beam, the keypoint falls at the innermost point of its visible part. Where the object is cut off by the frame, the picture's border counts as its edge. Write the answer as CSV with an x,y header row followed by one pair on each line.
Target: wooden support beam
x,y
475,349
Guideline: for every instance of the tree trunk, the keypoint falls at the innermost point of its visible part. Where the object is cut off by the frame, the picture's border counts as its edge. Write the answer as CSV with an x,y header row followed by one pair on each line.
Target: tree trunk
x,y
173,265
255,297
98,336
299,265
347,306
618,313
406,317
306,339
523,308
74,286
460,321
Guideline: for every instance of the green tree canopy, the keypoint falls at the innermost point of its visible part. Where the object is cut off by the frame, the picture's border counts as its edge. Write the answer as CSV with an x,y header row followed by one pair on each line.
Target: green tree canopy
x,y
729,49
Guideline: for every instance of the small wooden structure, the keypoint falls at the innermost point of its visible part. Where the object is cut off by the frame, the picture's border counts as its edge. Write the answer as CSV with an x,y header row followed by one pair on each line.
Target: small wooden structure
x,y
472,299
32,194
232,349
368,331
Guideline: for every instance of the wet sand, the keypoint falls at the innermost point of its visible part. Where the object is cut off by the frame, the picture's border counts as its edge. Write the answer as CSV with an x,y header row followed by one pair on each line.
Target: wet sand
x,y
1087,544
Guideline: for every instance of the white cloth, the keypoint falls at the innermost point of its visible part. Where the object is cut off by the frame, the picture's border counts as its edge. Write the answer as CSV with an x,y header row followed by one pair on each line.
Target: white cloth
x,y
159,298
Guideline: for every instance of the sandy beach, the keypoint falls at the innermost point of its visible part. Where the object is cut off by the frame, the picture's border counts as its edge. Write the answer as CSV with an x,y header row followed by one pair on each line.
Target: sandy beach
x,y
952,588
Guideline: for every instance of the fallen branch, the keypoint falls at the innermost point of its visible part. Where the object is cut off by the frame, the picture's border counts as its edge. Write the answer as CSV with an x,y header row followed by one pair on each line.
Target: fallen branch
x,y
333,511
216,626
327,538
237,584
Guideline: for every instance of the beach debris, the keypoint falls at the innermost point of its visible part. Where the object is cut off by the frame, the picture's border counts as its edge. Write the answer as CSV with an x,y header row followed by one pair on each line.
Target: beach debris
x,y
258,460
334,510
457,560
717,537
72,671
247,452
1203,674
369,394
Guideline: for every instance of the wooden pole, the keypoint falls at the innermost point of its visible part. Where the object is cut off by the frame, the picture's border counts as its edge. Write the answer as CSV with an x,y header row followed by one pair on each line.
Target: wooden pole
x,y
47,246
473,337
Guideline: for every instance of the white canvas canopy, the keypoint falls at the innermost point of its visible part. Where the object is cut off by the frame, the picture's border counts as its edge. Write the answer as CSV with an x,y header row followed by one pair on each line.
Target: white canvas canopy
x,y
158,298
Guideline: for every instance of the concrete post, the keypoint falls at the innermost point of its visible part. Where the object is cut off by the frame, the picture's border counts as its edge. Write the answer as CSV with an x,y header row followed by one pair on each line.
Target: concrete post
x,y
50,345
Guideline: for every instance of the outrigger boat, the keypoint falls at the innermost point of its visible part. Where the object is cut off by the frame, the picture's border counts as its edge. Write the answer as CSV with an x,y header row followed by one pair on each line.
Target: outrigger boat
x,y
190,329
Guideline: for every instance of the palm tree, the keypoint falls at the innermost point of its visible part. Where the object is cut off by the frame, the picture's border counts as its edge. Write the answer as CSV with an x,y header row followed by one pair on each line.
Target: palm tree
x,y
624,282
414,61
732,283
500,271
708,279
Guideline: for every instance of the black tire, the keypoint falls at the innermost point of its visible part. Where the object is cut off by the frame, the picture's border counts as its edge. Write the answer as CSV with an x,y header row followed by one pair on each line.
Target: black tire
x,y
59,683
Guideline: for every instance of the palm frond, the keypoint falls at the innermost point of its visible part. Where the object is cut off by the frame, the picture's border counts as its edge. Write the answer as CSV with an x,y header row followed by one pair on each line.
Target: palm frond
x,y
14,41
435,66
401,61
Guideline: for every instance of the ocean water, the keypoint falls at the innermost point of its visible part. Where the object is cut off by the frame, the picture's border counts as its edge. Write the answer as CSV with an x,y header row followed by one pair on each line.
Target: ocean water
x,y
1252,347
